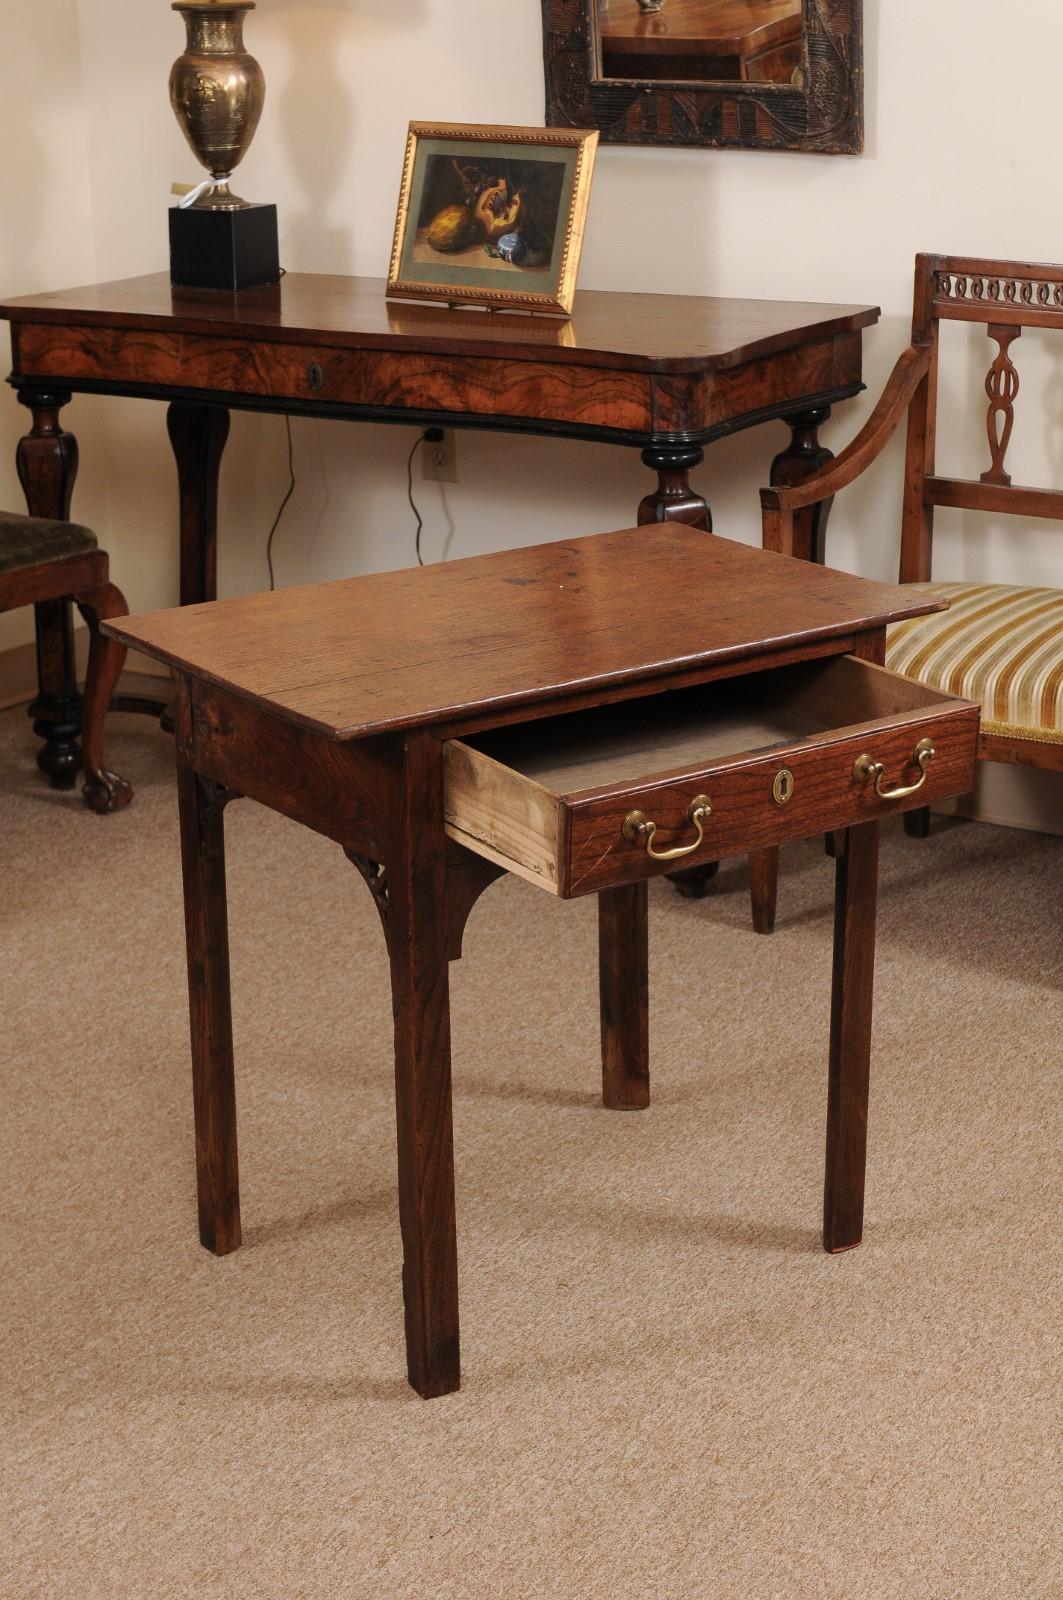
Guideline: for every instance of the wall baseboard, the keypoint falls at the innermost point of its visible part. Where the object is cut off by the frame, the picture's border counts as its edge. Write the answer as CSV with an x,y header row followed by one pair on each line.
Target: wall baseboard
x,y
998,817
1012,797
18,669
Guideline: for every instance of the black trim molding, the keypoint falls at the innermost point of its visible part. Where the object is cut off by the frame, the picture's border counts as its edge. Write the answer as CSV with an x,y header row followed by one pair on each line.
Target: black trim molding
x,y
32,391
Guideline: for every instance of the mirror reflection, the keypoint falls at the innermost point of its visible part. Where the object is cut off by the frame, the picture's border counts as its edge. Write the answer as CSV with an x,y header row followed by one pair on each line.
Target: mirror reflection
x,y
702,41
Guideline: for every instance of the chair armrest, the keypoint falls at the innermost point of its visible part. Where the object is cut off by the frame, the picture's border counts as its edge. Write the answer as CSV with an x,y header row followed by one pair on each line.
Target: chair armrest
x,y
779,504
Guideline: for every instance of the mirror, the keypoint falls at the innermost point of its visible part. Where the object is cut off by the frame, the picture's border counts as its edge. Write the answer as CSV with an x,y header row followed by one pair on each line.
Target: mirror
x,y
702,41
750,74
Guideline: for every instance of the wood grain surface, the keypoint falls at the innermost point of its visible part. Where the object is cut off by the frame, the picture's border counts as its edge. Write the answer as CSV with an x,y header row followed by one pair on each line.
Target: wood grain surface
x,y
201,804
489,387
744,814
301,775
639,332
420,646
624,997
849,1062
418,946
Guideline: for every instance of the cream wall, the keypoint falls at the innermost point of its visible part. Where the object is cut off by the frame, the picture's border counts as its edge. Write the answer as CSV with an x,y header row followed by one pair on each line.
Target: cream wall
x,y
961,155
45,205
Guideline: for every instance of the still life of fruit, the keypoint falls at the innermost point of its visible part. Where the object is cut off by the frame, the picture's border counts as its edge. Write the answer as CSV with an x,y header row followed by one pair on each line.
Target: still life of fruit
x,y
451,229
497,210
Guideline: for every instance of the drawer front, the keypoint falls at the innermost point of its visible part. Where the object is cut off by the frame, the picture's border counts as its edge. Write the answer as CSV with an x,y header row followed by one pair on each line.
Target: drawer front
x,y
753,804
782,754
333,375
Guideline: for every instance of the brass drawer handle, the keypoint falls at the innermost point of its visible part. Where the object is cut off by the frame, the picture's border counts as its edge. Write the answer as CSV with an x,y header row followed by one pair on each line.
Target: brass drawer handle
x,y
637,825
865,770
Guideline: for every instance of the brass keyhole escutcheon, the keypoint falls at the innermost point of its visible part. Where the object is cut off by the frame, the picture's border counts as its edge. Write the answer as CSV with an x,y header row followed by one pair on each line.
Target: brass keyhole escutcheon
x,y
782,790
314,376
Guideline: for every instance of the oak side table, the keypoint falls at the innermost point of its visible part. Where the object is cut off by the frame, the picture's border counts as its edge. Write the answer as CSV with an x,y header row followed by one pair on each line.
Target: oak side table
x,y
582,713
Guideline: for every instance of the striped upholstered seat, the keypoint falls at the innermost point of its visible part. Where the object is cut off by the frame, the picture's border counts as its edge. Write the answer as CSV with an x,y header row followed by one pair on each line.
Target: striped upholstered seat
x,y
999,644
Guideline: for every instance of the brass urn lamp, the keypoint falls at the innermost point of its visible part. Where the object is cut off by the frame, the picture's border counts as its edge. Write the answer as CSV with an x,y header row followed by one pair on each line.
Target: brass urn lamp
x,y
218,240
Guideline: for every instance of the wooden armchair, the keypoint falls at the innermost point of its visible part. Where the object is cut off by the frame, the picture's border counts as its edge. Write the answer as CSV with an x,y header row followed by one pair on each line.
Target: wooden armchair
x,y
1000,644
42,562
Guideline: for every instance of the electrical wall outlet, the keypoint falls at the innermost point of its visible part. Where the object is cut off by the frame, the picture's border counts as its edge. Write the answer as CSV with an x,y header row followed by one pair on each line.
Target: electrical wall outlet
x,y
439,457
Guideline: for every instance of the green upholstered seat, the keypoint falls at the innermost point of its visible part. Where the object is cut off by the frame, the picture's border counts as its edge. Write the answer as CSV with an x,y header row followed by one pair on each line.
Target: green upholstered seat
x,y
30,541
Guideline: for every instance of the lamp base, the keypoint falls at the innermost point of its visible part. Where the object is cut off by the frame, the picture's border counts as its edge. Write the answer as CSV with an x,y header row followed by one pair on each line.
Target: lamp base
x,y
231,250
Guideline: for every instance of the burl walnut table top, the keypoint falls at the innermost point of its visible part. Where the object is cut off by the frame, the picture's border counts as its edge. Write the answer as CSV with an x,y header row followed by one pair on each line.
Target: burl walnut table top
x,y
423,645
636,332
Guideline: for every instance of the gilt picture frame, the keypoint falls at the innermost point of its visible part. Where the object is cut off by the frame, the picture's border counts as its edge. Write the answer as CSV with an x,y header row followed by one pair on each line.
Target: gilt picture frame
x,y
492,216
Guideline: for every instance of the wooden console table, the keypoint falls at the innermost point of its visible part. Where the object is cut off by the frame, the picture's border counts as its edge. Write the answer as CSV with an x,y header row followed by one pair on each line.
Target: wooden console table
x,y
582,713
664,374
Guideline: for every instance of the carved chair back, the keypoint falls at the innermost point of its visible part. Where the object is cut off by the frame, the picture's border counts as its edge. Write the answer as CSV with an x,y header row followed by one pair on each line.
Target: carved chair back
x,y
1005,296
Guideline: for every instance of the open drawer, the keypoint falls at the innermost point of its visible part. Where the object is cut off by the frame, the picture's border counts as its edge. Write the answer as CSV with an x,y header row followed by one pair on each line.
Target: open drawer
x,y
604,797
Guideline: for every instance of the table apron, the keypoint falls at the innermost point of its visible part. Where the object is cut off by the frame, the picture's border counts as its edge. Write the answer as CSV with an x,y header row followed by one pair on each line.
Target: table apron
x,y
346,791
499,394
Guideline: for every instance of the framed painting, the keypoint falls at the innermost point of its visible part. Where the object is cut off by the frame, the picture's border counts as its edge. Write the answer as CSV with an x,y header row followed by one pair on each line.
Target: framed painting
x,y
492,216
731,74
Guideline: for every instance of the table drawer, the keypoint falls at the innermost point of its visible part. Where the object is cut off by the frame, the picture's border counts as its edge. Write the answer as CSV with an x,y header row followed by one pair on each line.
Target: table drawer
x,y
599,798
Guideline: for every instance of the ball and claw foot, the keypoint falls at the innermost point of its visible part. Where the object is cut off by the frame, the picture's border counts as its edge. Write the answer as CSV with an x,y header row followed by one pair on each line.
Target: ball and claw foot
x,y
106,791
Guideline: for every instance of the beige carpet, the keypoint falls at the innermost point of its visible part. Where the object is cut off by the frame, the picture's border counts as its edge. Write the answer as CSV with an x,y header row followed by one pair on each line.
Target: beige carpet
x,y
670,1391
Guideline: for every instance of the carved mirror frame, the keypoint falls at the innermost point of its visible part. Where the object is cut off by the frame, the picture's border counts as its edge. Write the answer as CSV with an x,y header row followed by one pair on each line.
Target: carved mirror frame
x,y
825,113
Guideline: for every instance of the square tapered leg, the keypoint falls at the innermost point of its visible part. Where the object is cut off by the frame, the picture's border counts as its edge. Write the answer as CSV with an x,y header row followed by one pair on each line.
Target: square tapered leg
x,y
856,894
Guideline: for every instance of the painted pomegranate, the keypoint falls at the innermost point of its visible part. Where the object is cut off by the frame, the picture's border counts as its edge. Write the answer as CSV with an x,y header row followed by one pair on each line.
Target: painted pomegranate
x,y
497,211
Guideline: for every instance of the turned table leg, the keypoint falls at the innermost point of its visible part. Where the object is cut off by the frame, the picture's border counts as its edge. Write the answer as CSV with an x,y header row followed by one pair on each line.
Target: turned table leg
x,y
674,500
856,893
47,461
623,986
198,434
202,804
418,948
802,456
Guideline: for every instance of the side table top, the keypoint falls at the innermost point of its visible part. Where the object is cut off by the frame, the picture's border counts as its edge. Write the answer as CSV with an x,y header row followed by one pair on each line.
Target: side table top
x,y
425,645
634,332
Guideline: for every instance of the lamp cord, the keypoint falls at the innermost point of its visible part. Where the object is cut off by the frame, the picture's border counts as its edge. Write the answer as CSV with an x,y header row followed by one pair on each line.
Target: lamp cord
x,y
283,505
421,438
409,495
